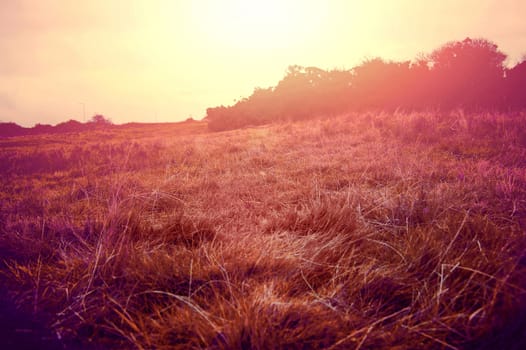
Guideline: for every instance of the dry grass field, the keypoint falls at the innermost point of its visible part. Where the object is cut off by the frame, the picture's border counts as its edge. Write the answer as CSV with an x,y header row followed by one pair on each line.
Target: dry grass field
x,y
364,231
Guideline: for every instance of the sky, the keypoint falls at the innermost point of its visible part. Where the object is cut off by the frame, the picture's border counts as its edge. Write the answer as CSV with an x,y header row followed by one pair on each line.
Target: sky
x,y
168,60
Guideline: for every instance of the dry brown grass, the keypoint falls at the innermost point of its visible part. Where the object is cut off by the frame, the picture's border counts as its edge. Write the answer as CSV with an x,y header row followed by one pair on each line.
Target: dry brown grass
x,y
363,231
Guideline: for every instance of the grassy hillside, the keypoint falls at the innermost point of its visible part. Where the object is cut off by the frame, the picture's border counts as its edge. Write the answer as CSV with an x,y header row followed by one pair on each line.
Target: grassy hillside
x,y
363,231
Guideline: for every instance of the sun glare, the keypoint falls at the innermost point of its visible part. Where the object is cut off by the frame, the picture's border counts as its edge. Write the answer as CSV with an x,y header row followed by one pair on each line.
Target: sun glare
x,y
257,23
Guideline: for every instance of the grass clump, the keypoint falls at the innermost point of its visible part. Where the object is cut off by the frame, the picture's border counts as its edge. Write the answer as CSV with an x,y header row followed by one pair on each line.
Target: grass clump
x,y
369,232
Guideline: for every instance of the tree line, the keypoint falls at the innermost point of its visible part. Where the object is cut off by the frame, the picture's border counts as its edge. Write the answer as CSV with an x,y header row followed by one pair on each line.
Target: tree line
x,y
98,121
468,74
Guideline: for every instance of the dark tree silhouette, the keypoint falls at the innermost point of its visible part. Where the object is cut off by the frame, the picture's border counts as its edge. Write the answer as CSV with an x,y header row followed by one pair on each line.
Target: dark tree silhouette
x,y
11,129
42,129
468,74
311,91
96,122
69,126
516,86
101,120
295,91
379,84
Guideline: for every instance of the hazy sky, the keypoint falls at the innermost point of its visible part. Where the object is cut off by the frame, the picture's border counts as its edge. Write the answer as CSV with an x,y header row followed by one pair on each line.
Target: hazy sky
x,y
166,60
